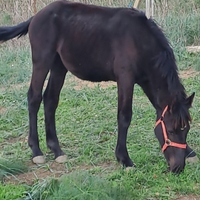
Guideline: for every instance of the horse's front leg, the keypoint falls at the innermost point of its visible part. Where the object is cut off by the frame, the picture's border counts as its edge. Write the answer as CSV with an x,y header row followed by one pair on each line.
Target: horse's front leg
x,y
125,95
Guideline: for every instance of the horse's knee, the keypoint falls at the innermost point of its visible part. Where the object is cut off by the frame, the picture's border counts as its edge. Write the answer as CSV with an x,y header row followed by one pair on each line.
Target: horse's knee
x,y
124,118
34,100
50,100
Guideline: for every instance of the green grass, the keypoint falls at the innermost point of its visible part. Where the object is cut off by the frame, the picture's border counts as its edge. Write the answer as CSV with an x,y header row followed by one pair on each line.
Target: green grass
x,y
10,191
11,167
182,29
80,185
15,66
86,123
87,129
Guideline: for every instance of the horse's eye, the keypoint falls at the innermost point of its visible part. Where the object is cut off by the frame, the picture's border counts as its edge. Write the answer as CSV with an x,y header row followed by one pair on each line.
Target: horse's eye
x,y
182,129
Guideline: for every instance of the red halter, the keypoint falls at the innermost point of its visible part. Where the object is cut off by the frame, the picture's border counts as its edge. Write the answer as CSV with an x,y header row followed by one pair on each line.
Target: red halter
x,y
168,141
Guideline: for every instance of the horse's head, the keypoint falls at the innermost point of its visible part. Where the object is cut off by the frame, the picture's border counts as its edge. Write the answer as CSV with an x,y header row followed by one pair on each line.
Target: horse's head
x,y
171,131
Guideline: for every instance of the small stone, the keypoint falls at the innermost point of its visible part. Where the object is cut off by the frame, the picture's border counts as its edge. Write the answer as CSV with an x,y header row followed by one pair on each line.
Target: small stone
x,y
157,194
192,159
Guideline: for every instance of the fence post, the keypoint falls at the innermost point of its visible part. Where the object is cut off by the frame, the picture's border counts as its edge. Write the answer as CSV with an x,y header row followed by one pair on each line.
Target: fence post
x,y
149,8
34,6
152,8
137,4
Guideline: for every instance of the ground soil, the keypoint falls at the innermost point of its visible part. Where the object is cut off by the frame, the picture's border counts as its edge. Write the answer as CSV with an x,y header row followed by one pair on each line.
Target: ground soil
x,y
50,169
38,173
189,197
188,73
2,110
80,84
53,169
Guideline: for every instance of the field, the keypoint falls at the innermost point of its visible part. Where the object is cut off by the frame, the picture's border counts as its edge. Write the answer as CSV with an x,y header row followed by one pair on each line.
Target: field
x,y
86,121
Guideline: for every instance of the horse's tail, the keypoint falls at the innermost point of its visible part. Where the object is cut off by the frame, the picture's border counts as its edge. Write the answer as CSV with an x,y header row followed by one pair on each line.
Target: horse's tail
x,y
9,32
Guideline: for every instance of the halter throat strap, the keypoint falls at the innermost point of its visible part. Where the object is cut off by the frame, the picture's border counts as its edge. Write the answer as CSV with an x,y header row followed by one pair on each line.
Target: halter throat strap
x,y
168,142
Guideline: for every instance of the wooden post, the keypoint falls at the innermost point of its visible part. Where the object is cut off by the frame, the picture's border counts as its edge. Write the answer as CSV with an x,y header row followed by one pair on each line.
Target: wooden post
x,y
137,4
152,8
34,6
148,7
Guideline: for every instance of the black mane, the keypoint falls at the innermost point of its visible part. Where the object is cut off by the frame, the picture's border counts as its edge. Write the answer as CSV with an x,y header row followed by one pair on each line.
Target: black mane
x,y
166,64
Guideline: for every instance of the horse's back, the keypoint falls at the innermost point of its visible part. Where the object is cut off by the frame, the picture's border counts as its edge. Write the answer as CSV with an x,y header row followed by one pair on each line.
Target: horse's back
x,y
90,40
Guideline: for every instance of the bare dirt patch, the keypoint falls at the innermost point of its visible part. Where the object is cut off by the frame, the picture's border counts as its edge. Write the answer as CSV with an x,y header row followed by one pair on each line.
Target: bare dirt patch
x,y
38,173
14,87
2,110
20,86
51,169
189,197
22,139
12,140
80,84
105,166
188,73
193,49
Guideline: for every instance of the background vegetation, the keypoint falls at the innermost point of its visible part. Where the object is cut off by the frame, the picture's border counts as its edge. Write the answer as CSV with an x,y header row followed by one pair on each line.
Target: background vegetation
x,y
87,125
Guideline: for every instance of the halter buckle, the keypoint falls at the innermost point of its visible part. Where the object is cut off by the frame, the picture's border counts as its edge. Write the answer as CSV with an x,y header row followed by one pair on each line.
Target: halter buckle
x,y
167,142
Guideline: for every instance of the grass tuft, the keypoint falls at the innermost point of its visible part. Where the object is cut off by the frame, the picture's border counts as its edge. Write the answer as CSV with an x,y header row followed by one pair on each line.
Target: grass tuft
x,y
81,185
11,167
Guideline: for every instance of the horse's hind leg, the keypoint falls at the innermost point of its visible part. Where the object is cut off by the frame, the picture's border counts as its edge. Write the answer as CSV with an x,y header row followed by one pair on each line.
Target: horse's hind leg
x,y
50,99
34,99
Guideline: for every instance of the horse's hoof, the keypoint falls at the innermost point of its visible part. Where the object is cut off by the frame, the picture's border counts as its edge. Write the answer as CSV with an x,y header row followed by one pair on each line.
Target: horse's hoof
x,y
193,159
61,159
129,168
38,160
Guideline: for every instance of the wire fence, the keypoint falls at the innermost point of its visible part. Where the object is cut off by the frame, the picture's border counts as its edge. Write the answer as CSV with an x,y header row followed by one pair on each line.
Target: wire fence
x,y
15,11
171,14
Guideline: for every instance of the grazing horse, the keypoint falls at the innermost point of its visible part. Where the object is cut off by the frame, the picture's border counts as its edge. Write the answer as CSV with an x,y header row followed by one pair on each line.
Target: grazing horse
x,y
99,44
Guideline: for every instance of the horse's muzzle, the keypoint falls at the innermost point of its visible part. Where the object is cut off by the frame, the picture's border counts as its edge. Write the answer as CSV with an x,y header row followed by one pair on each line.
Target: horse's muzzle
x,y
176,167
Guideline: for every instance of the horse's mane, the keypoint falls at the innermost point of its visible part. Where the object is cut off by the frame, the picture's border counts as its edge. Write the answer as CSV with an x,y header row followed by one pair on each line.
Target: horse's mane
x,y
165,62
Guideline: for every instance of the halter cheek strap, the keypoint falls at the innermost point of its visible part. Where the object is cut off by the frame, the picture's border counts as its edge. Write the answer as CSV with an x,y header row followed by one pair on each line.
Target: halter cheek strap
x,y
167,141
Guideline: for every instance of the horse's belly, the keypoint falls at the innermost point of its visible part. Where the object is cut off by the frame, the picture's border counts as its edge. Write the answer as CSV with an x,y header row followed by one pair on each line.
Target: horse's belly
x,y
92,73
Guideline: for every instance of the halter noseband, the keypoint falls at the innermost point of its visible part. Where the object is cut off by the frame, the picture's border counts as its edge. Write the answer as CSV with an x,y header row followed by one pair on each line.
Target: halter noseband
x,y
167,140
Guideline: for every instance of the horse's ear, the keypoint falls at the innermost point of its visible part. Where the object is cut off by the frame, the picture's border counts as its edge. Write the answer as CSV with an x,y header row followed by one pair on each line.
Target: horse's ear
x,y
189,100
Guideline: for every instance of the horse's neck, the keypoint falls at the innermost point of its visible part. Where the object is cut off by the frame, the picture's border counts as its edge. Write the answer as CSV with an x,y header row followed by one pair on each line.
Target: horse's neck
x,y
157,91
161,84
163,98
